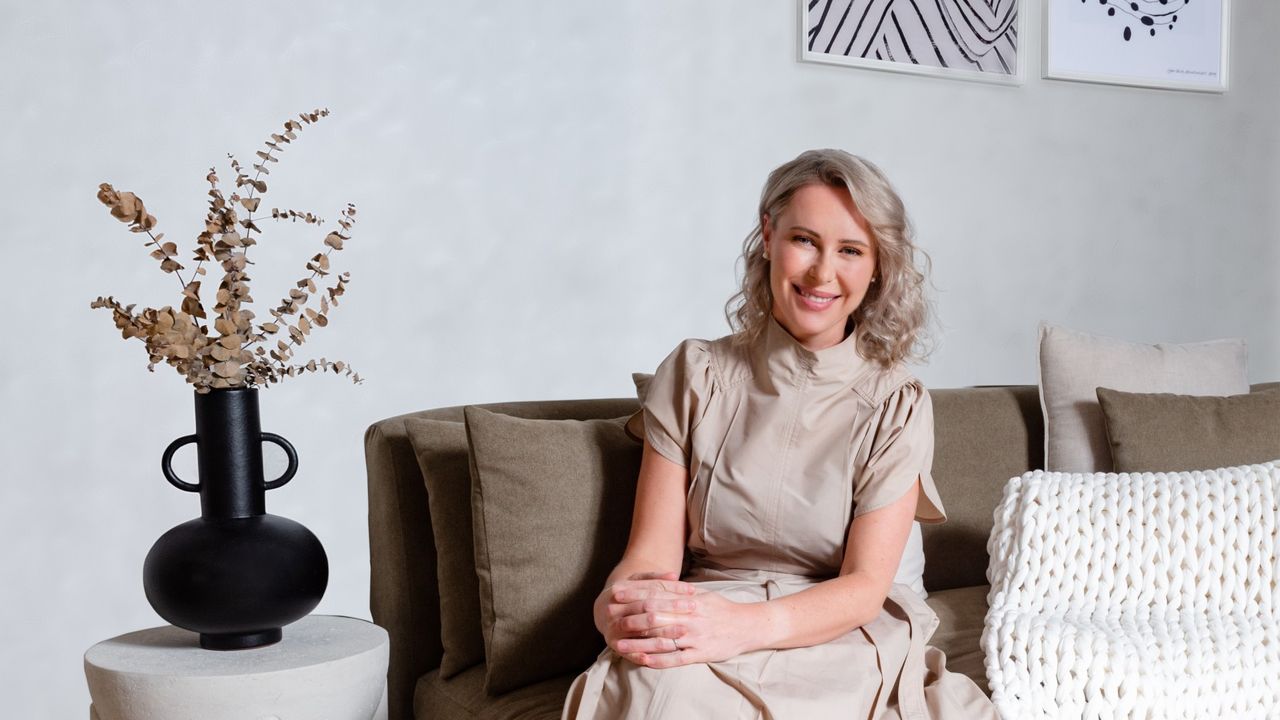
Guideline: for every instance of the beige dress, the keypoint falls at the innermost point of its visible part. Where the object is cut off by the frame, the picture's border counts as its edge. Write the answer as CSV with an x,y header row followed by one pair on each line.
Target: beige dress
x,y
785,446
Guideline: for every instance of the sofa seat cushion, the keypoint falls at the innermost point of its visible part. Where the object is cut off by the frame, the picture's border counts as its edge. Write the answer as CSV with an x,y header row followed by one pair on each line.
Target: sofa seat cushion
x,y
961,613
463,696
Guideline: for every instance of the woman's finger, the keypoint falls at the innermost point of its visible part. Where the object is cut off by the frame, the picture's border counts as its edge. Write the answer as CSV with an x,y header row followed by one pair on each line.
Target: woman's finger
x,y
678,605
649,624
642,590
654,576
654,646
667,660
637,658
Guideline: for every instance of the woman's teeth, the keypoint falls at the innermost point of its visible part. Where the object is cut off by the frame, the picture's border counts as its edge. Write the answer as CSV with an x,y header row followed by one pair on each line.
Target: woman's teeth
x,y
815,298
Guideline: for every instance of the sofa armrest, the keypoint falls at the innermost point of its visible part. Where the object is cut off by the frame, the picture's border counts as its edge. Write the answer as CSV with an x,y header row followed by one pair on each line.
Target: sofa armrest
x,y
403,592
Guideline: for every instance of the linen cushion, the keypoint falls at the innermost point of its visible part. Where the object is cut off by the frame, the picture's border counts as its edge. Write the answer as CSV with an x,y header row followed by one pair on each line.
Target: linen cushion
x,y
441,450
551,510
1154,432
1074,364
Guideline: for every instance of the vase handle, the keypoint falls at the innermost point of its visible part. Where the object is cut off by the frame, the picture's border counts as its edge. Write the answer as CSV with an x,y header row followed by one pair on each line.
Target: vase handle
x,y
167,468
293,460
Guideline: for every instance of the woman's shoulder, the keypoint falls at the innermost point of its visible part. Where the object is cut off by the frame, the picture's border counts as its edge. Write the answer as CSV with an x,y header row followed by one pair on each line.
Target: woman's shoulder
x,y
880,384
721,362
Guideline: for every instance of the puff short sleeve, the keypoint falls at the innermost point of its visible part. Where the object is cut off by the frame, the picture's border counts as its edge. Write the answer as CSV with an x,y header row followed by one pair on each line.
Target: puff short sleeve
x,y
675,399
901,450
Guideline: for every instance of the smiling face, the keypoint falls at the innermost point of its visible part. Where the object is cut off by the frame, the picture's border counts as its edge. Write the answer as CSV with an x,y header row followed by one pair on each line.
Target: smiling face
x,y
822,260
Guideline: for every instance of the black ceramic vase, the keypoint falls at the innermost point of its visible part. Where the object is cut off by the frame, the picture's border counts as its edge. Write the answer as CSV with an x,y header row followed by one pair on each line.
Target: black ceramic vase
x,y
236,575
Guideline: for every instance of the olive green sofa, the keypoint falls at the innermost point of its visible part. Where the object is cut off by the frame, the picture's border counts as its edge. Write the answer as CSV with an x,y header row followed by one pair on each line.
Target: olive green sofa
x,y
984,436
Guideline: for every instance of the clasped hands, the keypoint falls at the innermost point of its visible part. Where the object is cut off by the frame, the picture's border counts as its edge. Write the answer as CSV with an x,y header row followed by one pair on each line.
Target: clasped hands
x,y
656,620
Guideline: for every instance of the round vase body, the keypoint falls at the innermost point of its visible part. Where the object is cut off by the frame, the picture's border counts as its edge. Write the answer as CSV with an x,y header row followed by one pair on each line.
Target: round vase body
x,y
236,575
236,581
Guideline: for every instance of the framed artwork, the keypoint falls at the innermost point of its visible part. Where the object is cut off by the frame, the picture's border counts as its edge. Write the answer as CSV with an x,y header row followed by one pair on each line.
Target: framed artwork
x,y
1175,44
963,39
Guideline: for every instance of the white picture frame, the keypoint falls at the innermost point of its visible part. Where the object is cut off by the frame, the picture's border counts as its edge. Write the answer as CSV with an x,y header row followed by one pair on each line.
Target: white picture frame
x,y
959,39
1113,42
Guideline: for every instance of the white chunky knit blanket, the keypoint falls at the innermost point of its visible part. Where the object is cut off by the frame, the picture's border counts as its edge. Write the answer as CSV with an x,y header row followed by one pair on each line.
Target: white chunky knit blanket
x,y
1136,595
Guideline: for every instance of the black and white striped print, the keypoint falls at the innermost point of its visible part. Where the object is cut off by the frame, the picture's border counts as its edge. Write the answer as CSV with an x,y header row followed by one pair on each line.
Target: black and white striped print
x,y
975,35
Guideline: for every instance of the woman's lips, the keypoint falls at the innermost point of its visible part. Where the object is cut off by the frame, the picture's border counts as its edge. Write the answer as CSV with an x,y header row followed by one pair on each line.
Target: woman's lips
x,y
809,299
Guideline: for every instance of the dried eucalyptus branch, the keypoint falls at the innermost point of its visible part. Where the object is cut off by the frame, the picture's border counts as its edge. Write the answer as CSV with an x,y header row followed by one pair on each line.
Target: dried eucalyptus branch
x,y
235,357
295,216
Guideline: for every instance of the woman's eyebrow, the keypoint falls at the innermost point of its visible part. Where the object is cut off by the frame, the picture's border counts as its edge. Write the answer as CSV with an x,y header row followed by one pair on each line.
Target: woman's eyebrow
x,y
846,241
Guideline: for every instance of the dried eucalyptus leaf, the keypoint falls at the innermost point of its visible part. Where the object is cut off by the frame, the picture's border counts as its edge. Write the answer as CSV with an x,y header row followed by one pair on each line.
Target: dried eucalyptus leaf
x,y
192,306
226,369
224,326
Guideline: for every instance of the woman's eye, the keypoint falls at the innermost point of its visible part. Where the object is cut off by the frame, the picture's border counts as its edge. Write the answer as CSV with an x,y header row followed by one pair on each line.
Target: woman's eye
x,y
801,238
852,251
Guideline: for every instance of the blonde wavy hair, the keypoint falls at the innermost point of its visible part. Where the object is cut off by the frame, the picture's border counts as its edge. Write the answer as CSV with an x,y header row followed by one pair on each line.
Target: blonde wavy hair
x,y
894,312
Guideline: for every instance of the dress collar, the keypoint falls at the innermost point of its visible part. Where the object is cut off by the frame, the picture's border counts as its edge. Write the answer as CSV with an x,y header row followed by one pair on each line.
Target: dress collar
x,y
786,360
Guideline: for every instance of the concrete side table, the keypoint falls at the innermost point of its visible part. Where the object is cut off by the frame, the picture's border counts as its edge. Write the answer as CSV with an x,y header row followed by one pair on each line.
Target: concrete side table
x,y
325,667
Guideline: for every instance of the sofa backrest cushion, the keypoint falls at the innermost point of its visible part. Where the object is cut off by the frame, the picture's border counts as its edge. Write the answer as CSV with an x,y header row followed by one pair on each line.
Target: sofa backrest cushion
x,y
1161,432
441,448
982,437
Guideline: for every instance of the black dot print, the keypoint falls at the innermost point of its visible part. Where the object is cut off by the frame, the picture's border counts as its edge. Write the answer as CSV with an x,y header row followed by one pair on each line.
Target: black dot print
x,y
1152,19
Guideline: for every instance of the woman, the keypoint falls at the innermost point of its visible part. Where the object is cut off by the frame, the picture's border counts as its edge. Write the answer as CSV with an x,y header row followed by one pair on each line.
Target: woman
x,y
790,459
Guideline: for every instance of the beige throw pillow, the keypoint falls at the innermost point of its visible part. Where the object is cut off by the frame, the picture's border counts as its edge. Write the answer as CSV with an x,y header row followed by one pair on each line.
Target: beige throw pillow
x,y
1073,365
1157,432
551,510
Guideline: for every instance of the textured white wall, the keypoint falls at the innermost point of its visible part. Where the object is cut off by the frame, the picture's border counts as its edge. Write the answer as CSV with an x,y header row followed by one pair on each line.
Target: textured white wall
x,y
551,196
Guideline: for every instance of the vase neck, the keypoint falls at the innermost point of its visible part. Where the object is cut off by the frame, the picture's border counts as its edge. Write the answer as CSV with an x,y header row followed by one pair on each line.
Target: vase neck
x,y
230,454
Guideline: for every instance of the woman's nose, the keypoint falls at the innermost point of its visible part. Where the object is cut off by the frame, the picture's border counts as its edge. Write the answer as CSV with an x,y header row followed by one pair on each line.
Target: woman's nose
x,y
822,269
